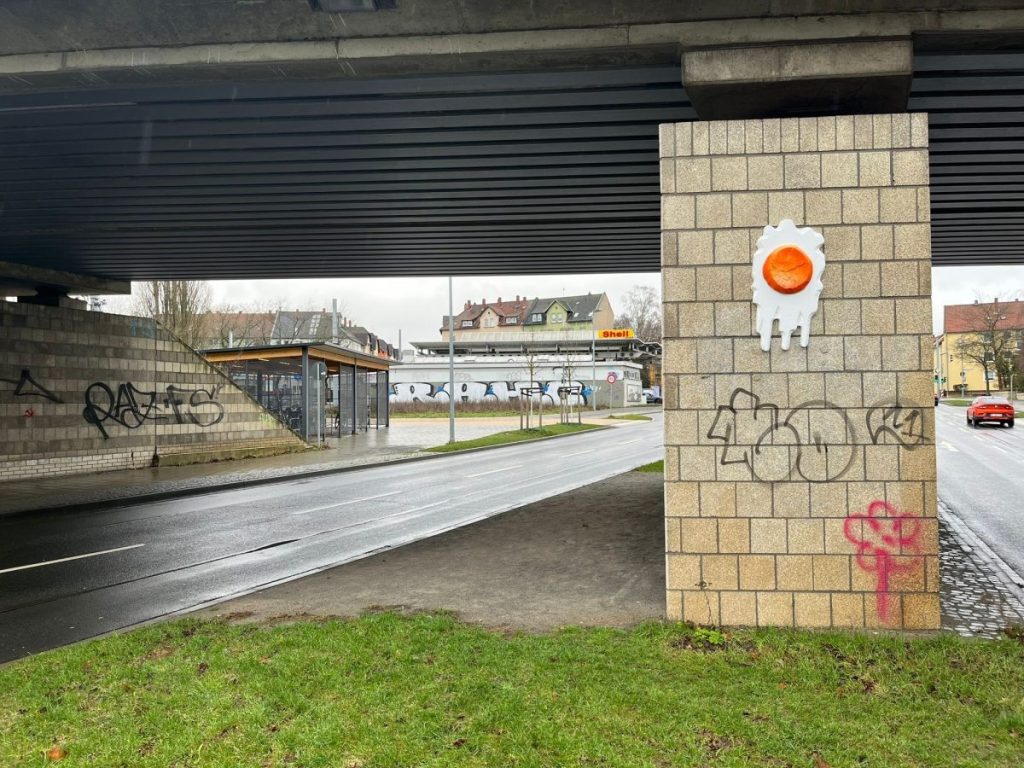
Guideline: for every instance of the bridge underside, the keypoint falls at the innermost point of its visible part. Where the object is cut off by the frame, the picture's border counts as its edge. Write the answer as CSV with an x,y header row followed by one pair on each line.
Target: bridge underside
x,y
430,175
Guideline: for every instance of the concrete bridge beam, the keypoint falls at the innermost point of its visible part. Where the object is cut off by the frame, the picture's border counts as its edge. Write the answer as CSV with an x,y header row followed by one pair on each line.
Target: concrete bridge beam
x,y
807,79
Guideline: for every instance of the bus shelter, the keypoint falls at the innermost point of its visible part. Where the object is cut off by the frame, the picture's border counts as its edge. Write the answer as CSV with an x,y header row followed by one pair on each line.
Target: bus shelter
x,y
319,390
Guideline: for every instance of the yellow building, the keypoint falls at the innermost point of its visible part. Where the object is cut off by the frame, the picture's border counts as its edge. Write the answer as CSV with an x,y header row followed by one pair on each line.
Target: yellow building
x,y
970,329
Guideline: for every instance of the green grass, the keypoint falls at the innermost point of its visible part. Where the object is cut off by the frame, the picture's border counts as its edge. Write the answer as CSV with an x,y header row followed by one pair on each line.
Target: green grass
x,y
513,436
387,690
629,417
655,466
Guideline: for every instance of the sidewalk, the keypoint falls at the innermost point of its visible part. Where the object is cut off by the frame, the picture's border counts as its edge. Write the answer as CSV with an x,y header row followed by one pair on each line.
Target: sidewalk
x,y
591,557
981,595
404,439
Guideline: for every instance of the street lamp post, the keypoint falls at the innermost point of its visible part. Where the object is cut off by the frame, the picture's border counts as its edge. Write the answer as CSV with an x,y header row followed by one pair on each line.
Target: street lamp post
x,y
451,363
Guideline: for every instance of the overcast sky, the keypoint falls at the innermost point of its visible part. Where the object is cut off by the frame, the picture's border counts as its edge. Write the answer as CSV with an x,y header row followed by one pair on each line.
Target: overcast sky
x,y
415,306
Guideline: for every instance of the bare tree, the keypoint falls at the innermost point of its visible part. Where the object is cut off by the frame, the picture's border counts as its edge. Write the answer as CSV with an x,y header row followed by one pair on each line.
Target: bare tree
x,y
565,392
230,325
995,348
178,305
531,366
641,311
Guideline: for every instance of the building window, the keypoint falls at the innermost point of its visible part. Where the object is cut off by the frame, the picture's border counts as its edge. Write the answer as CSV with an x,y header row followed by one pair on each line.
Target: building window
x,y
511,320
467,323
537,317
490,321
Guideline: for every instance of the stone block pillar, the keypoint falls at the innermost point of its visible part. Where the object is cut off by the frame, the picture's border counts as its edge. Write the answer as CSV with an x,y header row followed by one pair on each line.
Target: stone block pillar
x,y
800,483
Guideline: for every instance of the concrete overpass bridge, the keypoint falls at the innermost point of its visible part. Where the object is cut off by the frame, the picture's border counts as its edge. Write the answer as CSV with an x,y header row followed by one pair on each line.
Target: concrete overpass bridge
x,y
456,137
281,139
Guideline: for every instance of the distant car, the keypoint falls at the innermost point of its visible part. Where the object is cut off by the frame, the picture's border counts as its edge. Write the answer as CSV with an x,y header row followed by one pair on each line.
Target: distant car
x,y
936,398
650,396
997,409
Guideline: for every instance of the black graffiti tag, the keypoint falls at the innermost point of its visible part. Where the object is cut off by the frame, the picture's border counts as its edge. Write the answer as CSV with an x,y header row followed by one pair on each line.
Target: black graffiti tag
x,y
26,386
904,424
815,440
131,407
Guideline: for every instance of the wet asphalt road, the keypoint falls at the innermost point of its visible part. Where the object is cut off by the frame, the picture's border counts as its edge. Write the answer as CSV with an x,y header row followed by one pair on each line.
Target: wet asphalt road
x,y
148,560
981,477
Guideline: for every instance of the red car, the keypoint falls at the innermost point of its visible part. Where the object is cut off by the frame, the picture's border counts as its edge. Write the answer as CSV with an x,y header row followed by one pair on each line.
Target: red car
x,y
996,409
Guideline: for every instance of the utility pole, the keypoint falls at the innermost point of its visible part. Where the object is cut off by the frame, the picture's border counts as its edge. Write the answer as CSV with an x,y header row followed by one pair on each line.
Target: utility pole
x,y
593,366
451,363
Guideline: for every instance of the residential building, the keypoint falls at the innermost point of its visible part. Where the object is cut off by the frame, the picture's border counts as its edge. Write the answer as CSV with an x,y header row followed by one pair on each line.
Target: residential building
x,y
569,315
980,347
235,330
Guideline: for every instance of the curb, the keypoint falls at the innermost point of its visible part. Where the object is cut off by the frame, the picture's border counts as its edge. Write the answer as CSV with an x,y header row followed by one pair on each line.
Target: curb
x,y
144,498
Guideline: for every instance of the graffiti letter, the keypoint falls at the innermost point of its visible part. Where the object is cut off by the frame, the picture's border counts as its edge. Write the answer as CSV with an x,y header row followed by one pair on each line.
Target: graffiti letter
x,y
906,425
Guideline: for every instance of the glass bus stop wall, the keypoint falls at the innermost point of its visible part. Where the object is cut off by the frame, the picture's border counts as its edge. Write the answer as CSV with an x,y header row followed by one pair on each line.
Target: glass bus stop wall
x,y
361,403
345,420
383,399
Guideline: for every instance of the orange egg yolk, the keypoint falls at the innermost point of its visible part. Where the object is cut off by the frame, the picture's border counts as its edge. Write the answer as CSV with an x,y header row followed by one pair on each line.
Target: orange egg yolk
x,y
788,269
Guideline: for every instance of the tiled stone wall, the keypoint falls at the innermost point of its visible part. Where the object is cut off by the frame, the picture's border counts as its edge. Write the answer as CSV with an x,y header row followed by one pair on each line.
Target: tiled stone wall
x,y
44,429
800,484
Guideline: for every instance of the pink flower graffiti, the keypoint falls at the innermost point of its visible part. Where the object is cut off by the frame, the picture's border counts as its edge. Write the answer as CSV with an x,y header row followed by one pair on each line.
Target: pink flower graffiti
x,y
881,536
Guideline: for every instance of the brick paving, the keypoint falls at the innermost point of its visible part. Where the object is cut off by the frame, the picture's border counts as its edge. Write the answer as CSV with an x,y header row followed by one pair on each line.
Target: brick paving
x,y
979,595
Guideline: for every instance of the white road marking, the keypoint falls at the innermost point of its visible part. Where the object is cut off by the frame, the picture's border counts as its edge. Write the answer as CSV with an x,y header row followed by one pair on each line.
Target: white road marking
x,y
74,557
344,503
630,442
492,471
950,447
578,453
417,509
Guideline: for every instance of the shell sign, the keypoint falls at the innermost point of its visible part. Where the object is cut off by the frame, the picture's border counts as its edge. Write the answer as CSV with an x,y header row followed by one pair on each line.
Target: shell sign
x,y
616,333
787,271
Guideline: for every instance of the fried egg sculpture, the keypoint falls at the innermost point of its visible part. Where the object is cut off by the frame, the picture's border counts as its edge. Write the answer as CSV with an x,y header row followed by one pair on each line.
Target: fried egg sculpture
x,y
787,271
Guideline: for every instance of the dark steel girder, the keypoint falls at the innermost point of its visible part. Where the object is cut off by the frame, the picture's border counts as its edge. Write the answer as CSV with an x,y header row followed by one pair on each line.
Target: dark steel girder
x,y
513,173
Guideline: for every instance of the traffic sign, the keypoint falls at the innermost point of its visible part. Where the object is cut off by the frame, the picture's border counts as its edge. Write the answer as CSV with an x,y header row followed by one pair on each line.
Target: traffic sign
x,y
611,378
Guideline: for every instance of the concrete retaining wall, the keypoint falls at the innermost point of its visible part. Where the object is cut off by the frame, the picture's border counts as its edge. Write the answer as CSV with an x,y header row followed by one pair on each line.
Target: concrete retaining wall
x,y
85,391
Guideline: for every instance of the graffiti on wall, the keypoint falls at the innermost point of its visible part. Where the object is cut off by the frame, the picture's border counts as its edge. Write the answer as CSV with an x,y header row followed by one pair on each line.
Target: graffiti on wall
x,y
495,391
815,441
26,386
905,425
888,543
132,407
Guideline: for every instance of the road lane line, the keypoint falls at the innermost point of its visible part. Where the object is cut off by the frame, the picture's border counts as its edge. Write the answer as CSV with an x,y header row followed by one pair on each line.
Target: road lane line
x,y
345,503
578,453
950,447
417,509
68,559
630,442
492,471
